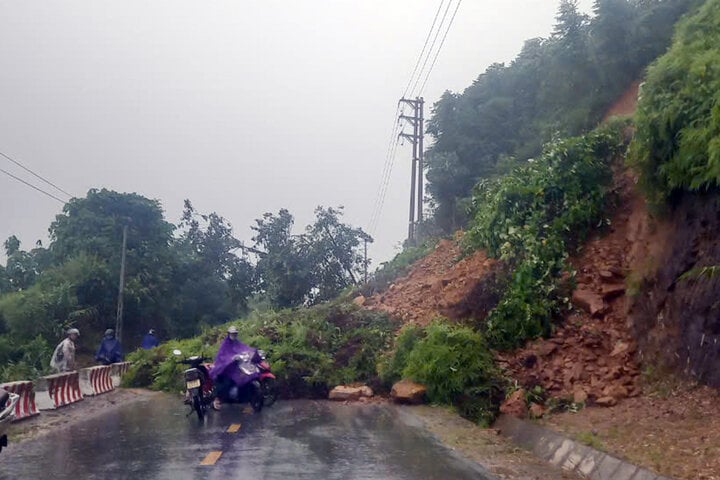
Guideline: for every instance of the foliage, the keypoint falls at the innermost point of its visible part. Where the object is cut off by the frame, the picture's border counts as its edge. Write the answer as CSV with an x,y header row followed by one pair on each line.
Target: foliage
x,y
557,86
529,216
677,143
309,268
310,349
24,361
454,363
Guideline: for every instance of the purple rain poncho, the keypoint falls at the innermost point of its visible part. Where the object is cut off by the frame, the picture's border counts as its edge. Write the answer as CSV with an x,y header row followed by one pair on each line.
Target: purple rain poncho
x,y
225,365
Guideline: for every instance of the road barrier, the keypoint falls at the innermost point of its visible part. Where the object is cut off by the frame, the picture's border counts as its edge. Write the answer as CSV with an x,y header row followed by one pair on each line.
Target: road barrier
x,y
117,371
25,407
57,390
95,380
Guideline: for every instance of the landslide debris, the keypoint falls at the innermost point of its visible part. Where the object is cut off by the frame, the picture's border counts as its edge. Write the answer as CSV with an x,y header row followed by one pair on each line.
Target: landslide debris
x,y
590,358
440,284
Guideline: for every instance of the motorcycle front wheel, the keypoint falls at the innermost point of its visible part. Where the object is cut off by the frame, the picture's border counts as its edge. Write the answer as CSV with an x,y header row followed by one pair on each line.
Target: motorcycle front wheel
x,y
269,391
197,405
256,400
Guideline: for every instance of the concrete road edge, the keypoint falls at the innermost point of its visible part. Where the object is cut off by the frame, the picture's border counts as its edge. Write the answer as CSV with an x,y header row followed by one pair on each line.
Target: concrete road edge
x,y
568,454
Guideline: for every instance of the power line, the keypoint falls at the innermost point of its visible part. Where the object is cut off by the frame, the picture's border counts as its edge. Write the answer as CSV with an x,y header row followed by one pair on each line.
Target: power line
x,y
422,52
32,186
442,42
33,173
387,168
432,45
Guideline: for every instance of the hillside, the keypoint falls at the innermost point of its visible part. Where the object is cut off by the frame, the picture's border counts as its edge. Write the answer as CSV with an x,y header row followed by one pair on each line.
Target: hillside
x,y
612,353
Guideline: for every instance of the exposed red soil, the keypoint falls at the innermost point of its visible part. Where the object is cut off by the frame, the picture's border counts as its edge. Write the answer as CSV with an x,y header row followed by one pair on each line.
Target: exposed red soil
x,y
590,357
437,285
626,104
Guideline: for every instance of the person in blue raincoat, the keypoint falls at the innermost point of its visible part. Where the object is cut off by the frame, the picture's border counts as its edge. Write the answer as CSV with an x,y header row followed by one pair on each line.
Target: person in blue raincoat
x,y
225,372
150,340
110,350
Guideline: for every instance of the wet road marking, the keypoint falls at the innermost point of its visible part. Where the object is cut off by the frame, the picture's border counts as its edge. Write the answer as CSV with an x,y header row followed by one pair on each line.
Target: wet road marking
x,y
233,428
211,458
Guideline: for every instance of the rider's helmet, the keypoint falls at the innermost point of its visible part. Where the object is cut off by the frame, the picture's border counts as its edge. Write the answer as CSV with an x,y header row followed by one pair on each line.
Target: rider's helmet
x,y
152,331
109,332
74,330
232,329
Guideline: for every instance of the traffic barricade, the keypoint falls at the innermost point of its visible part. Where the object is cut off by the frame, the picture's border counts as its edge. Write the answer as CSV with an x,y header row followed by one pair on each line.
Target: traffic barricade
x,y
25,407
57,390
117,371
95,380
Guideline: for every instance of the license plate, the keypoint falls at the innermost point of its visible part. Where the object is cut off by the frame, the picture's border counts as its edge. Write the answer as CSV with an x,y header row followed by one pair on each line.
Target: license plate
x,y
193,384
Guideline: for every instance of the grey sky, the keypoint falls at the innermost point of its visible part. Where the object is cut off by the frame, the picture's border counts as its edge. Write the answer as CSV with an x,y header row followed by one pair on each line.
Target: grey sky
x,y
241,106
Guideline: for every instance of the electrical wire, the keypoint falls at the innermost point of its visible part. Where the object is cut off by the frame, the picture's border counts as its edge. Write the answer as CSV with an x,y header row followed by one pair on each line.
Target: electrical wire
x,y
36,175
432,45
422,52
442,42
32,186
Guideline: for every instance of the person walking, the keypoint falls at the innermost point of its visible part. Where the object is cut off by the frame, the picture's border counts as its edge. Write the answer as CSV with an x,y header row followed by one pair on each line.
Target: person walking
x,y
63,358
150,340
110,350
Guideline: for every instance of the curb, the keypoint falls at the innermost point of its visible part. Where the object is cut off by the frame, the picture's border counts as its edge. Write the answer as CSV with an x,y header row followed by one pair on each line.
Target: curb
x,y
569,454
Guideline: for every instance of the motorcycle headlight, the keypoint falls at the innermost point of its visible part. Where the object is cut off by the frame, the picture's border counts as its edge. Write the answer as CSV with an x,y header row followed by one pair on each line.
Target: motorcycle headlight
x,y
262,354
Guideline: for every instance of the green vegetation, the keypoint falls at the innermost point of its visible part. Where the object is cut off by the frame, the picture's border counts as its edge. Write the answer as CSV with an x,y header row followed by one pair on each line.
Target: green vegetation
x,y
310,349
178,279
556,87
677,143
530,218
453,362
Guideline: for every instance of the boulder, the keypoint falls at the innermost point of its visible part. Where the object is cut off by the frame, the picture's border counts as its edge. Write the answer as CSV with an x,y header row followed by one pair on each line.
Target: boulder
x,y
612,290
407,391
606,401
359,300
589,301
536,410
515,404
343,393
579,395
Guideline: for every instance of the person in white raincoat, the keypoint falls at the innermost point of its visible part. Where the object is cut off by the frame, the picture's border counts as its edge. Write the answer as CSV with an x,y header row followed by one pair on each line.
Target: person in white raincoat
x,y
63,358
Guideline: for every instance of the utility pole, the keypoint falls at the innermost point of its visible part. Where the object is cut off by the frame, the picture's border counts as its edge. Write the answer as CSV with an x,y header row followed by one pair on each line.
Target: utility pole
x,y
365,261
118,321
416,177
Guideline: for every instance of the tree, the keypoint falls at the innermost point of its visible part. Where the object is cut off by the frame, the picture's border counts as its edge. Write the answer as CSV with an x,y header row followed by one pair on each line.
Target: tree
x,y
305,269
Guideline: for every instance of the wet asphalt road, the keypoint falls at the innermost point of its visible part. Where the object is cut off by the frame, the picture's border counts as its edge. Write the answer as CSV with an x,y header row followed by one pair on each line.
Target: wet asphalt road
x,y
290,440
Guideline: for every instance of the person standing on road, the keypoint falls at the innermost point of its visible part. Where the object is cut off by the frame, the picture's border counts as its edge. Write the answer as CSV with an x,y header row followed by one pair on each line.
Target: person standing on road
x,y
110,350
63,358
150,340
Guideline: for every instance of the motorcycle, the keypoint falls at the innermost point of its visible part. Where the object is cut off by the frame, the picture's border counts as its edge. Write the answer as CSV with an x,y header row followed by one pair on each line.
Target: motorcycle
x,y
267,380
248,389
7,415
199,391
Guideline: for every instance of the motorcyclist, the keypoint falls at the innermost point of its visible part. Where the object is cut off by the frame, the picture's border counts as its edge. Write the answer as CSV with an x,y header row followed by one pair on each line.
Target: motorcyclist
x,y
225,373
110,350
150,340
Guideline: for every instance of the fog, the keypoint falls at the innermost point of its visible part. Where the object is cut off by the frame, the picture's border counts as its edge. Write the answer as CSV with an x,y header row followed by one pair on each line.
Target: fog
x,y
241,106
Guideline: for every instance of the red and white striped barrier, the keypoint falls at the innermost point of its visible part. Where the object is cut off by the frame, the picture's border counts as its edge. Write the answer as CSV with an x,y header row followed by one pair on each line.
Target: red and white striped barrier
x,y
118,370
25,407
95,380
57,390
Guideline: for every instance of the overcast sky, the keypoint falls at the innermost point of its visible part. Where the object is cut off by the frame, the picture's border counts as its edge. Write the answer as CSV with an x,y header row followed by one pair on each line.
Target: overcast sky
x,y
241,106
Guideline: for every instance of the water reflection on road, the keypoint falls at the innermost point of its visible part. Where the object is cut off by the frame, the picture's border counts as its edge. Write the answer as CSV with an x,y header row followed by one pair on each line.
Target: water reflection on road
x,y
291,440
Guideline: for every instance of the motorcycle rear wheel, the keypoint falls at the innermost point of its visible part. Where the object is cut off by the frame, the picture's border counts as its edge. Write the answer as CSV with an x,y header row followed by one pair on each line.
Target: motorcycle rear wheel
x,y
197,405
269,391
